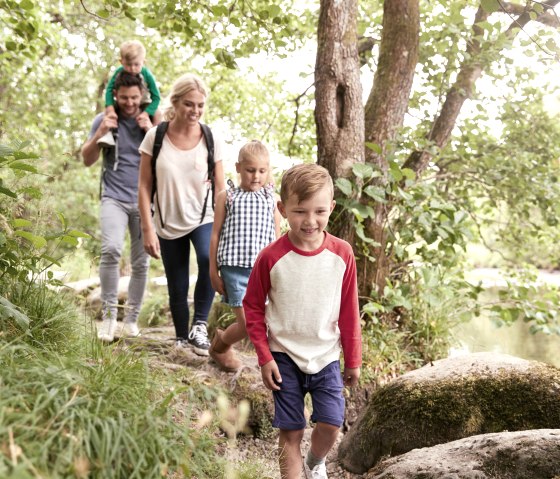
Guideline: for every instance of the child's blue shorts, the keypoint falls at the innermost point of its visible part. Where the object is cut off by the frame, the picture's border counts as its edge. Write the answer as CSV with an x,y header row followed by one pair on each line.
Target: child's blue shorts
x,y
325,387
235,280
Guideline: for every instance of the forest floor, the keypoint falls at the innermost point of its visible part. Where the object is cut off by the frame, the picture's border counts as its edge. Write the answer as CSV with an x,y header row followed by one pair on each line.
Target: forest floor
x,y
163,355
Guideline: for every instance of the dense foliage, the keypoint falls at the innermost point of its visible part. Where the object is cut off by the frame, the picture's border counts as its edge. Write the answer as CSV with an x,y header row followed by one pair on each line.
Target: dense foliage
x,y
493,188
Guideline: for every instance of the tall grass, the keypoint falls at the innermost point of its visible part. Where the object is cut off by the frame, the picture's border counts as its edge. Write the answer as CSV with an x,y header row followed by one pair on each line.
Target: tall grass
x,y
72,407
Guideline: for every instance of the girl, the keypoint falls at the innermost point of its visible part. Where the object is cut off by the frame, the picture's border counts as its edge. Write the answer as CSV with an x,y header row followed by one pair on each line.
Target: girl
x,y
245,221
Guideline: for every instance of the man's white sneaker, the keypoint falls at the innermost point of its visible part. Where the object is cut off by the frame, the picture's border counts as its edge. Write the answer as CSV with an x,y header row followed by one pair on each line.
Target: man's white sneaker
x,y
319,471
130,330
106,331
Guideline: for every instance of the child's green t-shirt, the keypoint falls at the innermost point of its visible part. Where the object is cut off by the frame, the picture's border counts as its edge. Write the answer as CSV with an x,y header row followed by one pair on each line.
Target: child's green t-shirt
x,y
150,81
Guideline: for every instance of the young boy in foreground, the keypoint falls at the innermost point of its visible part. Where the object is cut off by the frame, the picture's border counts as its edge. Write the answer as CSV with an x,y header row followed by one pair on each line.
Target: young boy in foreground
x,y
309,279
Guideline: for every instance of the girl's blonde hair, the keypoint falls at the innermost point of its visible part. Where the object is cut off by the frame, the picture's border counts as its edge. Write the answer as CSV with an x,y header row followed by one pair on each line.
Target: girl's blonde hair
x,y
131,50
251,150
183,85
255,150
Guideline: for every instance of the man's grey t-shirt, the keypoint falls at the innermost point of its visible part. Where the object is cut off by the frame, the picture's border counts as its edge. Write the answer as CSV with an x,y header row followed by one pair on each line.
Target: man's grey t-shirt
x,y
121,183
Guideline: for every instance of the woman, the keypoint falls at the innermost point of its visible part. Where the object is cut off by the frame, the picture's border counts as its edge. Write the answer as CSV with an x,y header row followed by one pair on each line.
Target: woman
x,y
184,214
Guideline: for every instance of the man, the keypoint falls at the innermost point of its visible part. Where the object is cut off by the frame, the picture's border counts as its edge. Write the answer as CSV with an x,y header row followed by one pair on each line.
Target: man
x,y
119,202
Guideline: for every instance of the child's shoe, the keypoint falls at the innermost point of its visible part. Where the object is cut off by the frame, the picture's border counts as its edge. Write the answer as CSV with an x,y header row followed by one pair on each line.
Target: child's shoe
x,y
107,140
223,354
106,332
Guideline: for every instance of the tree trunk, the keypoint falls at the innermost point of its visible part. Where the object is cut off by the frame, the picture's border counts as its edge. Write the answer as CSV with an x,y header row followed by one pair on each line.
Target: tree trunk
x,y
384,115
339,113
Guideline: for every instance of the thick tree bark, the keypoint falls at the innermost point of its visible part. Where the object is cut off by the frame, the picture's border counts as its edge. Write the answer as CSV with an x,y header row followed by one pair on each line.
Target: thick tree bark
x,y
339,112
384,116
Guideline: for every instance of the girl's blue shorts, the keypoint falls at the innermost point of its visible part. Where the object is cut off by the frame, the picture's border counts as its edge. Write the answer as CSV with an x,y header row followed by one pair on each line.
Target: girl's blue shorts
x,y
235,280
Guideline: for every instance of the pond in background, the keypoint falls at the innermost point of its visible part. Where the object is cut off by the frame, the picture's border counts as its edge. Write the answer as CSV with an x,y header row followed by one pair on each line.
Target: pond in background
x,y
481,334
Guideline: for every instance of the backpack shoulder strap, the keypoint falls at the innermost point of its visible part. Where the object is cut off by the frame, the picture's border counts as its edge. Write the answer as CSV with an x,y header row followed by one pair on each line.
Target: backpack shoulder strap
x,y
209,138
158,141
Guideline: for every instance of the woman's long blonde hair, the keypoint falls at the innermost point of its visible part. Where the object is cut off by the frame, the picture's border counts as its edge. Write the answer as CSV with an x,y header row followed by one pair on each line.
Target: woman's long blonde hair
x,y
183,85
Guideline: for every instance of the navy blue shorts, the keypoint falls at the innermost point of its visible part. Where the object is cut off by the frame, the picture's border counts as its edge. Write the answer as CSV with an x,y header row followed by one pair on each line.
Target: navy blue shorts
x,y
235,280
325,387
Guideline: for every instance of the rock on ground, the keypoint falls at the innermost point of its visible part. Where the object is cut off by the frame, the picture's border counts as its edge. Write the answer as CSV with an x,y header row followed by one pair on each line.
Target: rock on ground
x,y
451,399
531,454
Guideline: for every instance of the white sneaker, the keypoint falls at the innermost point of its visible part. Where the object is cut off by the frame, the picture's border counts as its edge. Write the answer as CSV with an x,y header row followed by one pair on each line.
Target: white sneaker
x,y
107,330
198,339
319,471
130,330
106,140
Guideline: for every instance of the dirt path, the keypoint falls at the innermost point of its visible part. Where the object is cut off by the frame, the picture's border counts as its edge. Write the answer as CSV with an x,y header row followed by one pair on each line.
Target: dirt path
x,y
261,453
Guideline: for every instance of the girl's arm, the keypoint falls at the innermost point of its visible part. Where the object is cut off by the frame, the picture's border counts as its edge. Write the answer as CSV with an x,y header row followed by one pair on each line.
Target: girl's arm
x,y
151,241
219,218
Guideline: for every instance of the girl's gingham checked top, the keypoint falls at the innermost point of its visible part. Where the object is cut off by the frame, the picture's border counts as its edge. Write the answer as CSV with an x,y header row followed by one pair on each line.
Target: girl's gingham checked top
x,y
248,226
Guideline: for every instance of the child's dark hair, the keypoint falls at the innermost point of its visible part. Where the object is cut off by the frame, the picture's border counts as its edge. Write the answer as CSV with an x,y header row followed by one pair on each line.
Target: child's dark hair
x,y
304,181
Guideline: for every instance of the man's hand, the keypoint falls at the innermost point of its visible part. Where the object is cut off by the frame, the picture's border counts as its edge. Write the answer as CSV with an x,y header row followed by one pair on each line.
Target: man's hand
x,y
144,122
271,375
110,121
351,376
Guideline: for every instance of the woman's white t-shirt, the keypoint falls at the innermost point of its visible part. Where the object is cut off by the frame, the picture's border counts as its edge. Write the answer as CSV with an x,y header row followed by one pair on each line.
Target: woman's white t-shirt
x,y
182,185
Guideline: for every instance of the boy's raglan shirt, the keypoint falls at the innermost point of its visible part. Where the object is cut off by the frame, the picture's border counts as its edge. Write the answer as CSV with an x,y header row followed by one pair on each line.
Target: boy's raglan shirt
x,y
312,309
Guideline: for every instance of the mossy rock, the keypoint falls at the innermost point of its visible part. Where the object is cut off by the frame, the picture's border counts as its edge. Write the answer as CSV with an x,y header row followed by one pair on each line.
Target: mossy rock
x,y
249,386
451,399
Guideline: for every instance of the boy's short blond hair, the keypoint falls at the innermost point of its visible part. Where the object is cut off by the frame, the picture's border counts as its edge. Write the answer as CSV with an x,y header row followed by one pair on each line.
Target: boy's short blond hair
x,y
131,50
304,181
251,150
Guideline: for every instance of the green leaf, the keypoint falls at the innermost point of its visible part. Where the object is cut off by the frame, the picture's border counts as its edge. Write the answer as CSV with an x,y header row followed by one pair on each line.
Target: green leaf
x,y
26,4
490,6
363,211
9,310
395,171
374,147
274,10
7,192
21,223
78,234
18,165
344,185
103,13
376,192
37,241
362,170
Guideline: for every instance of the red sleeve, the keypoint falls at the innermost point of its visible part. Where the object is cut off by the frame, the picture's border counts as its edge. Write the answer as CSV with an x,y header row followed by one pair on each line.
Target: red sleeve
x,y
254,307
349,318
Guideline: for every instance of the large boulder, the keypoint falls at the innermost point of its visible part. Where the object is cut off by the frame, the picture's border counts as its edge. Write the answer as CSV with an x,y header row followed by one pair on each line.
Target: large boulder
x,y
451,399
516,455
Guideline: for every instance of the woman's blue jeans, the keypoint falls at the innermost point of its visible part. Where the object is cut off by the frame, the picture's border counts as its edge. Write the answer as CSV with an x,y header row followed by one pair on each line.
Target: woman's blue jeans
x,y
175,255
